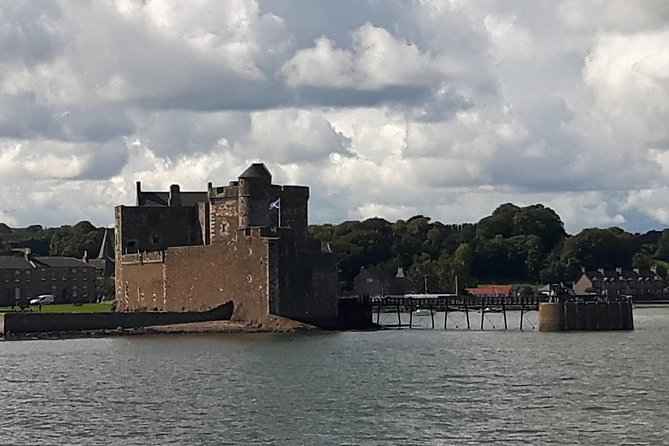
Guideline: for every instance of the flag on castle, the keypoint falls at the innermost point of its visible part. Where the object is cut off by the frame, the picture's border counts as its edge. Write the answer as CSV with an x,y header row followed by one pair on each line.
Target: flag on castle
x,y
276,205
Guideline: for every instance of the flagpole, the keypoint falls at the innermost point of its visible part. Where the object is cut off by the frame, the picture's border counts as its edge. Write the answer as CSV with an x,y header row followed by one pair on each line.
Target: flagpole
x,y
279,213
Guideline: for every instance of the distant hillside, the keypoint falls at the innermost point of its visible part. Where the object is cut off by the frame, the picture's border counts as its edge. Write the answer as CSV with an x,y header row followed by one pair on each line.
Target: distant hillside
x,y
66,240
513,244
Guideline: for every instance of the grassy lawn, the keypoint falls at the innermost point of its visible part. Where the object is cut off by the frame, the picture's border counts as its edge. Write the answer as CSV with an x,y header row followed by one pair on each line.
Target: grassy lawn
x,y
103,307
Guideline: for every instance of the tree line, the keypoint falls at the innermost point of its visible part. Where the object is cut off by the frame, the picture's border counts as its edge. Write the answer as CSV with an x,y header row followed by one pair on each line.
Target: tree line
x,y
68,241
513,245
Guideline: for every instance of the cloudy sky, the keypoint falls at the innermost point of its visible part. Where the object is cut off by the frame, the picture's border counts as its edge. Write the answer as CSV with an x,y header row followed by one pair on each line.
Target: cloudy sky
x,y
387,108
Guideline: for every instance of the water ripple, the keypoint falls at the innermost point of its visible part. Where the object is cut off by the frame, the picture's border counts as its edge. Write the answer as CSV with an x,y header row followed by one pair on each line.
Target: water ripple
x,y
421,387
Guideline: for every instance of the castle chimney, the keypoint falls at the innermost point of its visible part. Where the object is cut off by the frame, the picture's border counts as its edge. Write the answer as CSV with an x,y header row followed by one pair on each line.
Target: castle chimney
x,y
174,199
653,268
636,270
85,257
619,270
601,271
138,188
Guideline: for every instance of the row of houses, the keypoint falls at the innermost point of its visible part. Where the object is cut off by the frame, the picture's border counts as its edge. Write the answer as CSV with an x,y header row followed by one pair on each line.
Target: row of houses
x,y
70,280
646,285
640,285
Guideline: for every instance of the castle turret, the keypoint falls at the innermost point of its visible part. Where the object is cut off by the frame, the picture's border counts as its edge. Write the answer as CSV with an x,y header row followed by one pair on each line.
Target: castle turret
x,y
254,184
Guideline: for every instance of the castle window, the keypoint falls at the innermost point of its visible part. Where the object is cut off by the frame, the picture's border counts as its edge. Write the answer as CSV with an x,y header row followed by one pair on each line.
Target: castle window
x,y
131,245
155,239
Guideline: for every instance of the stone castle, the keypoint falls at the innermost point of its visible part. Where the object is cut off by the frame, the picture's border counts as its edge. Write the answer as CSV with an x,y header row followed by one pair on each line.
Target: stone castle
x,y
244,243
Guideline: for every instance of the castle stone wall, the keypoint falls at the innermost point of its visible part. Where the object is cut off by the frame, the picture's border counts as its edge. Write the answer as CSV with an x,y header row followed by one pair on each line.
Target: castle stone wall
x,y
201,278
224,219
307,283
155,228
139,286
294,210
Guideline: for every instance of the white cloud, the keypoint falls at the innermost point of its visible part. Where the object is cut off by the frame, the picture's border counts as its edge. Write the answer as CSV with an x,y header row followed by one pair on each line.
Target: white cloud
x,y
510,41
291,136
377,60
629,75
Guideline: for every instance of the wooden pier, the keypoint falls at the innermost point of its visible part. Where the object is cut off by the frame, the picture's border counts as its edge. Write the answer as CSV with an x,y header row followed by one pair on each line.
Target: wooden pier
x,y
451,303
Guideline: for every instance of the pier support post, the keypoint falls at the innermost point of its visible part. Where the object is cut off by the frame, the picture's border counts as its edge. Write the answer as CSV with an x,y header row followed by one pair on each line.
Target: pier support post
x,y
570,316
399,318
628,318
482,312
504,312
467,315
432,316
589,319
550,317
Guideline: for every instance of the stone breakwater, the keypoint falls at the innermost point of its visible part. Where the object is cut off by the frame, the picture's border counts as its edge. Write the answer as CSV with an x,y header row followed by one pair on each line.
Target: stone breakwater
x,y
586,316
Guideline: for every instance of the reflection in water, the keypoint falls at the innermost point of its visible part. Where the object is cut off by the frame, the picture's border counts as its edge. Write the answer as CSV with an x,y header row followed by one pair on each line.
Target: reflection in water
x,y
427,387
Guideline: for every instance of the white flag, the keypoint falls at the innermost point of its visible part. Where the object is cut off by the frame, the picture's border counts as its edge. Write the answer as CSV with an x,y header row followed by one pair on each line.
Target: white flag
x,y
275,204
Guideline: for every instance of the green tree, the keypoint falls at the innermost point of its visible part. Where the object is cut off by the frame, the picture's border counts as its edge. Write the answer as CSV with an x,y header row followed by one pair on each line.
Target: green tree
x,y
662,251
540,221
599,248
500,223
461,264
642,261
73,241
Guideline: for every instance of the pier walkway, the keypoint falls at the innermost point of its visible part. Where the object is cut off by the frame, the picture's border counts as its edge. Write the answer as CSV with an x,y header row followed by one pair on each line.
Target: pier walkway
x,y
451,303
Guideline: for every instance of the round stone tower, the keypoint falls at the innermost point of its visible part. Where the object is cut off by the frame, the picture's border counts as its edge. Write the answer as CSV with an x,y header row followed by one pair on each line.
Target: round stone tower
x,y
253,185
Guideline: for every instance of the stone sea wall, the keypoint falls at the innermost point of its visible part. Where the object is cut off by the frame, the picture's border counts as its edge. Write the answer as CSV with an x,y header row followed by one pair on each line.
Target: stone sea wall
x,y
11,323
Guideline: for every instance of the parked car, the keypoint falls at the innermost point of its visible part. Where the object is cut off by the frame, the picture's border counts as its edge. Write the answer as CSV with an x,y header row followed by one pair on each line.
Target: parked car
x,y
43,299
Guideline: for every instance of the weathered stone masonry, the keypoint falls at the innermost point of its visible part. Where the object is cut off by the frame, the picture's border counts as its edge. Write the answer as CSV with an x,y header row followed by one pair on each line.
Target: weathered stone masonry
x,y
224,245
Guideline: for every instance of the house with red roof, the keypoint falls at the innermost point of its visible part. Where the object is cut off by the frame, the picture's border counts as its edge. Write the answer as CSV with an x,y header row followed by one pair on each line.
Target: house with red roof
x,y
491,291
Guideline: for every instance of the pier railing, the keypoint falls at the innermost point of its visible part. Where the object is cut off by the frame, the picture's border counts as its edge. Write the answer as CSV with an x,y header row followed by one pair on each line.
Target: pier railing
x,y
451,303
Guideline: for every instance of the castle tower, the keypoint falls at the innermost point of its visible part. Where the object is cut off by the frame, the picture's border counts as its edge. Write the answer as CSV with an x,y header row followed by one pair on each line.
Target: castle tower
x,y
254,184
